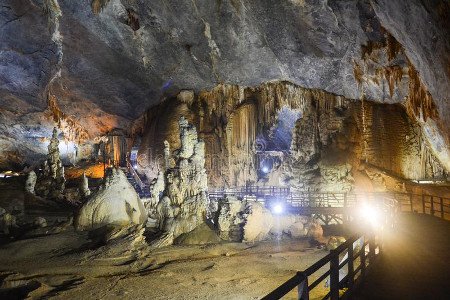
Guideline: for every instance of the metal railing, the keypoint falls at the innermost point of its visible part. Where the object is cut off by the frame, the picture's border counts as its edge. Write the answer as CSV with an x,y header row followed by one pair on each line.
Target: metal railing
x,y
136,176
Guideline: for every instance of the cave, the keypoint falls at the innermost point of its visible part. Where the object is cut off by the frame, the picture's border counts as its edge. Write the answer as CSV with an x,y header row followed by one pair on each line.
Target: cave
x,y
224,149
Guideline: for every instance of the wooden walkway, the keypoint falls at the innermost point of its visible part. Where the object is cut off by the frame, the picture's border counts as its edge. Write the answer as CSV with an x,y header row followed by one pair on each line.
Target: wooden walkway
x,y
326,206
410,258
415,263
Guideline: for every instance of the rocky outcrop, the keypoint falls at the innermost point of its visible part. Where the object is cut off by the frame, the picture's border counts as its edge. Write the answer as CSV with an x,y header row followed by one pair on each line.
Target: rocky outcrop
x,y
250,221
7,221
257,222
116,203
84,186
184,201
51,182
30,183
294,226
228,219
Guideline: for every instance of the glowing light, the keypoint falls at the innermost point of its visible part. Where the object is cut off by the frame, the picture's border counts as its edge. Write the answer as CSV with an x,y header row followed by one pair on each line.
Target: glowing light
x,y
278,209
135,167
265,169
371,214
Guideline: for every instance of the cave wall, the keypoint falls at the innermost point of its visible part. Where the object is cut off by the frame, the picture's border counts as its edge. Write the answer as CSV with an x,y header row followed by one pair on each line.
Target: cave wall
x,y
331,141
91,66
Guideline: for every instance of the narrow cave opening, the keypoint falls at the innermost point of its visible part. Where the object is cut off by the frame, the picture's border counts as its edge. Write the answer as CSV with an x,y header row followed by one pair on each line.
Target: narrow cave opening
x,y
273,144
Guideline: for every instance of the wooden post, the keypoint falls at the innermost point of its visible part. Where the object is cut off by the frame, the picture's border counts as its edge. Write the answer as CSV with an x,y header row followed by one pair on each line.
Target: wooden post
x,y
442,207
432,206
411,202
363,259
334,275
303,291
372,247
351,269
423,202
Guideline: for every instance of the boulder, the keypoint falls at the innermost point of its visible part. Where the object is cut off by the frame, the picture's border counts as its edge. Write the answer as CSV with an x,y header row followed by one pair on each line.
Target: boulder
x,y
115,203
258,222
40,222
297,230
201,235
292,225
315,231
228,219
334,242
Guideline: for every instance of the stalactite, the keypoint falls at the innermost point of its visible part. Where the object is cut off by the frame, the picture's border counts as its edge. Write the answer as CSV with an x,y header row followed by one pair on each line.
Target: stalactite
x,y
419,103
388,44
73,131
392,74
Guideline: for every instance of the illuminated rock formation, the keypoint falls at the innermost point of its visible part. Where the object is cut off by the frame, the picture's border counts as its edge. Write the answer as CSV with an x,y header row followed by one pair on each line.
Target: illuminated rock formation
x,y
116,203
84,186
228,219
184,201
258,221
51,181
7,221
243,220
30,183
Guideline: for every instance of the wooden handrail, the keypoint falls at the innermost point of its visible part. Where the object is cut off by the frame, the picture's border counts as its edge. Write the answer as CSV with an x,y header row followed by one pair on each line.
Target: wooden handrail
x,y
367,241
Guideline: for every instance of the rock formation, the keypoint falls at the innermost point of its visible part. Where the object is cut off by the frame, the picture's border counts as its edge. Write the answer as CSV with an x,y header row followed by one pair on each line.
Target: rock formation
x,y
30,183
84,186
115,203
210,44
184,201
7,221
228,219
295,226
249,221
258,222
51,181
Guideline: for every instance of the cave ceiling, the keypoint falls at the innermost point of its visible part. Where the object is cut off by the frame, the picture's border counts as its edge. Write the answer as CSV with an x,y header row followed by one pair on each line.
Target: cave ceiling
x,y
101,64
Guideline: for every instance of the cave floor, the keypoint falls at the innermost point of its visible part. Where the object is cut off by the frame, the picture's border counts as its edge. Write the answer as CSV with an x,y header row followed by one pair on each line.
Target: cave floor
x,y
64,269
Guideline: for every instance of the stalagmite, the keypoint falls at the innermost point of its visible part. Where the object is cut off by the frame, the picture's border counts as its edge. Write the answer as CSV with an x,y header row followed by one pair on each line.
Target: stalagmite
x,y
184,201
51,182
116,203
31,182
84,186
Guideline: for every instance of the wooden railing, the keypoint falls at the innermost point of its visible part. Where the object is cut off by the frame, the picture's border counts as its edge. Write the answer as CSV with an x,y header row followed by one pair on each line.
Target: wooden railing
x,y
357,253
437,206
346,265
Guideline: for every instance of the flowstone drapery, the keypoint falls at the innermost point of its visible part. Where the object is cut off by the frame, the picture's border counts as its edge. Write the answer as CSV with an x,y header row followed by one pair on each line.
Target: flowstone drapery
x,y
183,202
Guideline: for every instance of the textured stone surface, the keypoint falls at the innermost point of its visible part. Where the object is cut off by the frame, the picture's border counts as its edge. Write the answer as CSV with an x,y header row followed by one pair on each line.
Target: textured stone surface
x,y
183,201
115,203
51,181
113,67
